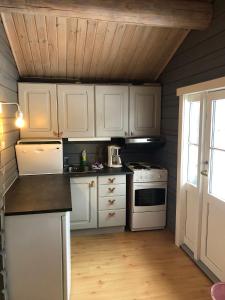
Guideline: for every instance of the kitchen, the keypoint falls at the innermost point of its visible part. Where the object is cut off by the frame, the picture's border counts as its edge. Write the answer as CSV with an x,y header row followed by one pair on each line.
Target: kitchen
x,y
101,186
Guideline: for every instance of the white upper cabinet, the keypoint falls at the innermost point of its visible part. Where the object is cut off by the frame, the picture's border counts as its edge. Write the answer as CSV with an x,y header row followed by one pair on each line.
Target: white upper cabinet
x,y
111,110
38,102
76,110
86,111
145,110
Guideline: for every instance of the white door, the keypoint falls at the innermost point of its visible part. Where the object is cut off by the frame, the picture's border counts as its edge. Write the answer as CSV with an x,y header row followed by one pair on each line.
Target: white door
x,y
38,102
213,218
84,202
76,110
145,110
111,111
191,191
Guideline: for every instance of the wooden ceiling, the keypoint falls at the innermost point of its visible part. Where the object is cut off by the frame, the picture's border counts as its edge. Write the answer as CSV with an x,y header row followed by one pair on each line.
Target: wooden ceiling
x,y
51,39
48,46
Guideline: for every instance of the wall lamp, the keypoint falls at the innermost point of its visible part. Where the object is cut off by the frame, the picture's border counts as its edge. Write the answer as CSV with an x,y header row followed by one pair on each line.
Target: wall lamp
x,y
19,115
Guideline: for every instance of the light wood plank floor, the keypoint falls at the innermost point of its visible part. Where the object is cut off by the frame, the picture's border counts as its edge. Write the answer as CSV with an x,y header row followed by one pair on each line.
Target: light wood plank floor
x,y
134,266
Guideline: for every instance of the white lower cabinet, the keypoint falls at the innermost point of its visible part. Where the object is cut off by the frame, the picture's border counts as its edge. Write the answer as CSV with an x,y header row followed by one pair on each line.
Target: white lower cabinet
x,y
98,205
84,202
38,256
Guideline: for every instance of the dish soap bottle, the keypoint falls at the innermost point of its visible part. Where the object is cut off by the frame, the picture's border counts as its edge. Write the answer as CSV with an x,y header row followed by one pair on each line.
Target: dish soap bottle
x,y
84,157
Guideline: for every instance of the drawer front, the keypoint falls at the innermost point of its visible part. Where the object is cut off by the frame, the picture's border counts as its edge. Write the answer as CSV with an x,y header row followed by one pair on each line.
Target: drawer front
x,y
83,180
112,179
112,190
117,202
112,218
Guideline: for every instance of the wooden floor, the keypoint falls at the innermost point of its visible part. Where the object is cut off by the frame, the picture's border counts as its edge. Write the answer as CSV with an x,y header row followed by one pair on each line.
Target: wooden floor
x,y
134,266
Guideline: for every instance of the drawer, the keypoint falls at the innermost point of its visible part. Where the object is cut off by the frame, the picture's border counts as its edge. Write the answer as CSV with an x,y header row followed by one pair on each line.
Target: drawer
x,y
112,218
117,202
112,179
112,190
83,180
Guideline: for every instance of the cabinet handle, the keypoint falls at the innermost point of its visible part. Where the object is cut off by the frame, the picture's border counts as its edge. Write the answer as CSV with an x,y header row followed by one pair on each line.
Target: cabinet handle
x,y
92,184
111,214
55,133
111,180
60,134
131,133
111,202
125,133
111,190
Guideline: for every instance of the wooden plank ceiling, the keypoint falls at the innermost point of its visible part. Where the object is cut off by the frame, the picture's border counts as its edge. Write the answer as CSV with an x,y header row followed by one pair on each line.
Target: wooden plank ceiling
x,y
81,49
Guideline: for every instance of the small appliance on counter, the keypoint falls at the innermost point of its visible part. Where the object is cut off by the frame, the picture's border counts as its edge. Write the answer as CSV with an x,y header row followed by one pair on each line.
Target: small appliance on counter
x,y
147,196
35,157
114,160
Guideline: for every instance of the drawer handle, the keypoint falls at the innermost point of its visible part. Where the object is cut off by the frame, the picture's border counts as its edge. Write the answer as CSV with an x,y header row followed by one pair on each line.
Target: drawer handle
x,y
111,202
111,190
92,184
111,180
112,214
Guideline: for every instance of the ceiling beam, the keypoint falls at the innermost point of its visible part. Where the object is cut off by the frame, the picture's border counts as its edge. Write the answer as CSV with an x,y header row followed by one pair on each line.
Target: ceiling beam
x,y
188,14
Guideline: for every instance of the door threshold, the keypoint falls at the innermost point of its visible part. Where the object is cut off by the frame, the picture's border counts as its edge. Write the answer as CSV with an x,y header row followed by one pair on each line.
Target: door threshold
x,y
200,264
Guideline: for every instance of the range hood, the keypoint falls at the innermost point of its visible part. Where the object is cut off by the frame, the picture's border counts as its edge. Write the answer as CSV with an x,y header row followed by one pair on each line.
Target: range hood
x,y
144,140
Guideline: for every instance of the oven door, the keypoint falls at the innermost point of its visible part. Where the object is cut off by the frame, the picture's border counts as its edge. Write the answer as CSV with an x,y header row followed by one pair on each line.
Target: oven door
x,y
149,196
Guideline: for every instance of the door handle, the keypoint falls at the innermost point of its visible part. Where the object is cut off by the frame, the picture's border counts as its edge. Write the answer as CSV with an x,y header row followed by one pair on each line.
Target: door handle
x,y
204,173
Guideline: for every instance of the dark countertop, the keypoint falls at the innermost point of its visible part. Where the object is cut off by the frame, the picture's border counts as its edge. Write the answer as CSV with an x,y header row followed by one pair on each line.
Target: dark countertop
x,y
39,194
103,172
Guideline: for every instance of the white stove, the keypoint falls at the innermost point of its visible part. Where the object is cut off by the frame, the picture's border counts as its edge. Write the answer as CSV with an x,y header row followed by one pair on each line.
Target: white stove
x,y
148,196
144,172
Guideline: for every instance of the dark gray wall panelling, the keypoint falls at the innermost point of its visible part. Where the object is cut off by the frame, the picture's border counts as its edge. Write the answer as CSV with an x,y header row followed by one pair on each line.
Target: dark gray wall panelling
x,y
201,57
98,152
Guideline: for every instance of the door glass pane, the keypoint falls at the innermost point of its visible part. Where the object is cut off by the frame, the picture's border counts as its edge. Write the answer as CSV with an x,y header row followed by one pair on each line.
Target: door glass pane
x,y
218,140
192,164
194,122
217,167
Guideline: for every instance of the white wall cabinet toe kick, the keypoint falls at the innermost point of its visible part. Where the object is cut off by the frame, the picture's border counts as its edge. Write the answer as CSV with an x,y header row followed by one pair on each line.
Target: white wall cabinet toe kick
x,y
98,202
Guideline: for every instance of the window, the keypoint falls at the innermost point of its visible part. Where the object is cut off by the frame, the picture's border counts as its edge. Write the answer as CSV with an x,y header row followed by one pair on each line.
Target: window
x,y
217,149
192,120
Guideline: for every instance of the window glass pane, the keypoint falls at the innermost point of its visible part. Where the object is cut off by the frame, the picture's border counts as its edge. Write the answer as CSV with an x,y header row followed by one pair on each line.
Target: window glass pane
x,y
192,164
194,122
216,177
219,124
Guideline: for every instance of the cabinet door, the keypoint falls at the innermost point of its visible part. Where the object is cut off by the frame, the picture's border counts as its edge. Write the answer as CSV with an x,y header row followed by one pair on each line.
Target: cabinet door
x,y
145,109
39,104
84,202
76,110
111,111
34,257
